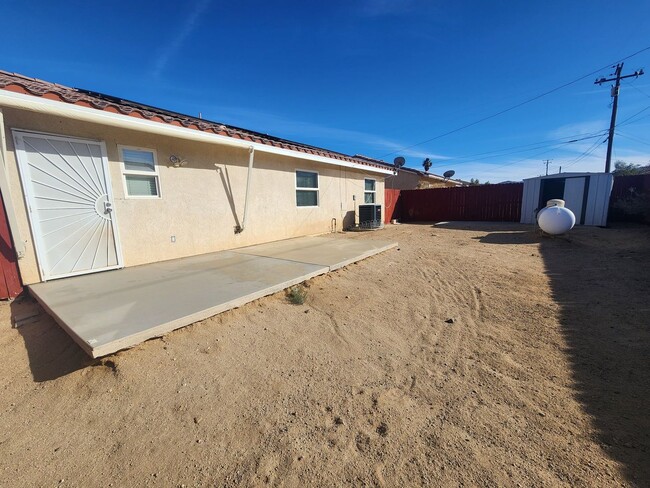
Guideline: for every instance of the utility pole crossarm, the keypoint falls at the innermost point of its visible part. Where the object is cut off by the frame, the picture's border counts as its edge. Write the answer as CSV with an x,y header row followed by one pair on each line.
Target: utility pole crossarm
x,y
612,123
636,74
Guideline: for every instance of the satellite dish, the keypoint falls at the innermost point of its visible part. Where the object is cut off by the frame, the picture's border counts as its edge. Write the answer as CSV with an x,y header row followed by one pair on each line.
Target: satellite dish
x,y
449,174
399,161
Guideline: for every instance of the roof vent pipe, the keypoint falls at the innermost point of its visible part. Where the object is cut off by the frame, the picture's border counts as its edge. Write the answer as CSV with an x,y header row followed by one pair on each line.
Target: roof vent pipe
x,y
251,156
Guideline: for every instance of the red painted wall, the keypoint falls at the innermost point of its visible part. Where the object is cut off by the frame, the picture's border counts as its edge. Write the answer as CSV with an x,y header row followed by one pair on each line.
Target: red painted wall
x,y
391,204
10,283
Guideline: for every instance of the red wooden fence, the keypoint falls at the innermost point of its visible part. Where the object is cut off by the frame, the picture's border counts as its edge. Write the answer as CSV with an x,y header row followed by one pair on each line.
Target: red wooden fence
x,y
10,284
501,203
624,188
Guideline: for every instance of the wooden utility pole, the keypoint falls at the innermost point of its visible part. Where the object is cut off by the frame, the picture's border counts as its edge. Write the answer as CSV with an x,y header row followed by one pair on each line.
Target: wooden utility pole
x,y
546,162
612,123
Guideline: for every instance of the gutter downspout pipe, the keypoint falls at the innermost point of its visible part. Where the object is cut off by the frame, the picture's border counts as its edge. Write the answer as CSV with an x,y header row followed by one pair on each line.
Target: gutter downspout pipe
x,y
251,157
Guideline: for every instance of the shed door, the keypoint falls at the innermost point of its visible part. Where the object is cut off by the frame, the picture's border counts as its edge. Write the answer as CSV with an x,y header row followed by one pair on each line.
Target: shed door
x,y
69,197
574,191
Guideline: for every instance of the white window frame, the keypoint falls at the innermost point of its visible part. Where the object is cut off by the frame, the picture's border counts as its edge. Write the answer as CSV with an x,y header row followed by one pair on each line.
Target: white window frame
x,y
126,172
373,192
302,188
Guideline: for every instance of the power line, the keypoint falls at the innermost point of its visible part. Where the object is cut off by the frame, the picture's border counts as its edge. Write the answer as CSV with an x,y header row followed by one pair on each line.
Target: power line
x,y
583,155
620,124
540,144
513,107
579,158
560,140
587,153
637,89
537,146
633,138
522,160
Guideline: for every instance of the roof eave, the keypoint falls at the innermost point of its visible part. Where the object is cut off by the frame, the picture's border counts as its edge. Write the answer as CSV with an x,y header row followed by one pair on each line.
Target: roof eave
x,y
63,109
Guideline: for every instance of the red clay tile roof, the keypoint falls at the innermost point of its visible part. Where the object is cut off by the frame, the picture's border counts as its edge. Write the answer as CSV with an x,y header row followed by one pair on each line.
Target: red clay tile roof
x,y
76,96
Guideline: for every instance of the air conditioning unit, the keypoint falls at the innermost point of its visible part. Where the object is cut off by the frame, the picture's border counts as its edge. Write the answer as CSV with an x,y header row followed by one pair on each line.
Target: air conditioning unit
x,y
370,216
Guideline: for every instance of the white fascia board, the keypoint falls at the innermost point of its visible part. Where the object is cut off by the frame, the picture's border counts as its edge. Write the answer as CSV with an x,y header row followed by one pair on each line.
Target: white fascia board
x,y
63,109
436,177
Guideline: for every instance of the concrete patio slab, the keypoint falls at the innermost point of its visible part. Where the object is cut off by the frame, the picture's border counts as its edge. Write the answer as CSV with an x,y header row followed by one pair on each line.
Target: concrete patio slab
x,y
114,310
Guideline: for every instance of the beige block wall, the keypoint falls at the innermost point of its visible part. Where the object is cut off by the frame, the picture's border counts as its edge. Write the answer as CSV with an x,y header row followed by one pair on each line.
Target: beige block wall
x,y
402,181
411,181
201,202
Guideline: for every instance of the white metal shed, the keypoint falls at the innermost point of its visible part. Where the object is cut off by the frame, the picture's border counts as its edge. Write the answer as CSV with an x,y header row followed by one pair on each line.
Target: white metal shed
x,y
585,194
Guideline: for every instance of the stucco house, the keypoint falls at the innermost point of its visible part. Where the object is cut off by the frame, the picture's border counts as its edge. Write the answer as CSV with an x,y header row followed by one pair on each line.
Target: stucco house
x,y
93,182
412,179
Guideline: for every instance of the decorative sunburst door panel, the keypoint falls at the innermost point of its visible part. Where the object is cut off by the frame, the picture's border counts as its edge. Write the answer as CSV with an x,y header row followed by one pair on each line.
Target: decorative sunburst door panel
x,y
70,203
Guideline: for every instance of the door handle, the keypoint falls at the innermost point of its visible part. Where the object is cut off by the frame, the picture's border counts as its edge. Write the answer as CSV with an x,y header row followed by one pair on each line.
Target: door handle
x,y
108,207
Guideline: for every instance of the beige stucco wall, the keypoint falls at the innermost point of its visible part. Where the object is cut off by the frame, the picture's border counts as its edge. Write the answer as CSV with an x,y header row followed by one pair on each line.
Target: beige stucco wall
x,y
195,206
405,180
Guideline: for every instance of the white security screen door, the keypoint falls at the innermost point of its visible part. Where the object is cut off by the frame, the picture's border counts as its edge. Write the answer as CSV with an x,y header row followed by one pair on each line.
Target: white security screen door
x,y
68,192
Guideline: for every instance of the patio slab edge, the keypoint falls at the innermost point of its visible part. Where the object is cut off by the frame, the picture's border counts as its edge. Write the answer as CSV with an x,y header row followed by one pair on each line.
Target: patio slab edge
x,y
162,329
196,315
363,256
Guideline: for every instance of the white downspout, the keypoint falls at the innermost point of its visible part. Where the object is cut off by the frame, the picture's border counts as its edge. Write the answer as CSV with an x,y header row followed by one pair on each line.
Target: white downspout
x,y
251,157
19,244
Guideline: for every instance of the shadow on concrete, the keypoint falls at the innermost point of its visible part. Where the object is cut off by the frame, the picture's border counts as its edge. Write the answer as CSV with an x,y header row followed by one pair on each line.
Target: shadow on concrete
x,y
52,353
600,280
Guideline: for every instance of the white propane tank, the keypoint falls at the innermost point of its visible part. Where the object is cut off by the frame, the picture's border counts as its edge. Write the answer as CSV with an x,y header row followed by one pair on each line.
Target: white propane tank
x,y
555,202
555,218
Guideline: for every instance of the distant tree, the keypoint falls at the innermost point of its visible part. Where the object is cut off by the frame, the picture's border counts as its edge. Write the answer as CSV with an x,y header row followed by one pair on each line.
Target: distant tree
x,y
486,183
474,182
621,168
426,164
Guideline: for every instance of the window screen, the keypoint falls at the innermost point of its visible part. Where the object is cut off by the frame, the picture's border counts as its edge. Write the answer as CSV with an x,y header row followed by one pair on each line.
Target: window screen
x,y
369,194
306,189
141,186
140,173
135,160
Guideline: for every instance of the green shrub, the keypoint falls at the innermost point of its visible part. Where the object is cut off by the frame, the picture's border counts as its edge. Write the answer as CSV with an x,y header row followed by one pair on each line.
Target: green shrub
x,y
297,294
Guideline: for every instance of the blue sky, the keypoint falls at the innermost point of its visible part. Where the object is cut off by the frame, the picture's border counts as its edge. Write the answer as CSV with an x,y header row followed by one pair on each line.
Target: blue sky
x,y
370,77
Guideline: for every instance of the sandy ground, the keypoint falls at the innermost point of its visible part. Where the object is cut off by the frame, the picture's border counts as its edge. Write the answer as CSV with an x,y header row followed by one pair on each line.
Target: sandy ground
x,y
542,379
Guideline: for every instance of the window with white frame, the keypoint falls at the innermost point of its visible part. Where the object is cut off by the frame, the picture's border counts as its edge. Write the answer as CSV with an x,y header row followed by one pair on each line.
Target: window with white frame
x,y
140,170
369,194
306,188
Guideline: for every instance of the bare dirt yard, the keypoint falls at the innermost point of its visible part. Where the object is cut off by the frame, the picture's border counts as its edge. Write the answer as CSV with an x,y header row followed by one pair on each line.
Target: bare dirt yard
x,y
473,355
